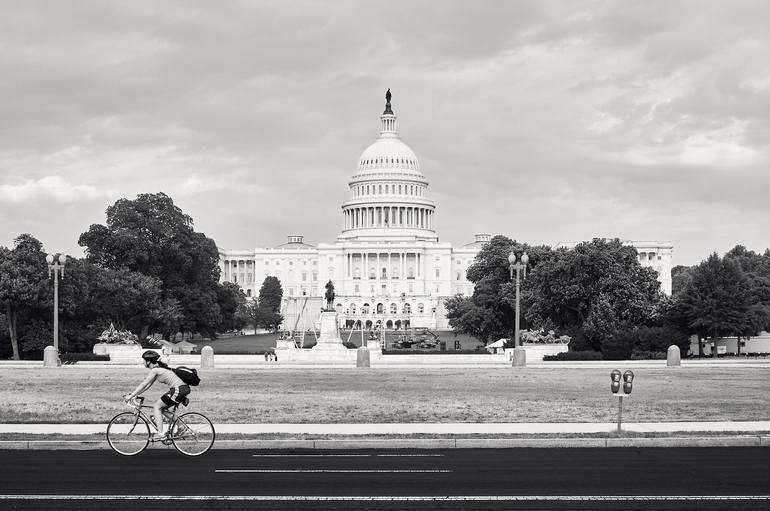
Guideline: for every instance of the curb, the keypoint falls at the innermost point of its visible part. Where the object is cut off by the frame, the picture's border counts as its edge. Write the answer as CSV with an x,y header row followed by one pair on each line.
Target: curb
x,y
426,443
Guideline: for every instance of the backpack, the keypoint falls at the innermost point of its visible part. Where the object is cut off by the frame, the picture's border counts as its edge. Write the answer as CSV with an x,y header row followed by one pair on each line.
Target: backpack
x,y
187,375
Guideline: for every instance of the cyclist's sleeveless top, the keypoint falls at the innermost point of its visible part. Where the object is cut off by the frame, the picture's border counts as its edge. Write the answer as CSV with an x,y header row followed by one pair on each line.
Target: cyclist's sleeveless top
x,y
168,377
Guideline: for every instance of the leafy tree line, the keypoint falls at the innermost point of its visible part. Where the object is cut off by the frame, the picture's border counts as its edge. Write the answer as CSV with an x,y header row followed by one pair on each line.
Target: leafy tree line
x,y
600,295
722,296
147,270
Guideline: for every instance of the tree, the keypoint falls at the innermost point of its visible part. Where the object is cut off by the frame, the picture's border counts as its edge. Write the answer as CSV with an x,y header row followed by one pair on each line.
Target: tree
x,y
232,304
489,313
717,300
152,236
598,287
23,282
271,293
680,278
266,311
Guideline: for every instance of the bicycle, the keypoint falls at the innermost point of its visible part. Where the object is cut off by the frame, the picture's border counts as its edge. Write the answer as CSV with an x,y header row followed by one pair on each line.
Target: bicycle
x,y
128,433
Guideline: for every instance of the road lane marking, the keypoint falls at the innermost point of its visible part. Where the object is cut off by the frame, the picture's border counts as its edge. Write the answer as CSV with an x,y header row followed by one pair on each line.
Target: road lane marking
x,y
402,498
410,455
347,455
314,471
310,455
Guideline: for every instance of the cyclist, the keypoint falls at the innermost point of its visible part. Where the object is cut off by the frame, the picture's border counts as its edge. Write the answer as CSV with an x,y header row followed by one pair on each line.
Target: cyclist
x,y
177,393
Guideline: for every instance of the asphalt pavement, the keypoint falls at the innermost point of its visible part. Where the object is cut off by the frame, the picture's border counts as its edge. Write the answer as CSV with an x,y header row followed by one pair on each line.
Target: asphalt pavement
x,y
673,478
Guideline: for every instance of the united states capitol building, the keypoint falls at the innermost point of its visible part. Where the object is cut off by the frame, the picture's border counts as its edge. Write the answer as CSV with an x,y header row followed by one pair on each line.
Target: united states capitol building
x,y
387,264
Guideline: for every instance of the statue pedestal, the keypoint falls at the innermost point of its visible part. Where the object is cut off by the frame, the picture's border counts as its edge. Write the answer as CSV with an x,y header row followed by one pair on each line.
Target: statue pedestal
x,y
330,339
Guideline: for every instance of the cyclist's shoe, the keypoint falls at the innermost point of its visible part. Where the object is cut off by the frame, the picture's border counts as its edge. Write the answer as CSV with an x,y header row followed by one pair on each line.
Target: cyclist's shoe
x,y
159,438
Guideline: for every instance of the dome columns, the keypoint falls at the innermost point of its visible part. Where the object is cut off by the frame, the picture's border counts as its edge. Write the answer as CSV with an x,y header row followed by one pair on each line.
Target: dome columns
x,y
389,216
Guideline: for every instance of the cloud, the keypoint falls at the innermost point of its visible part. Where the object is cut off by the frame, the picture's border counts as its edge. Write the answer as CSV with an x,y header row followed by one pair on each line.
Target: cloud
x,y
50,188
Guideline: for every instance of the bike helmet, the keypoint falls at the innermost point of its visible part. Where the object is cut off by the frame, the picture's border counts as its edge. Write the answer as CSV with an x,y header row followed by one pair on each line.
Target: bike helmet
x,y
150,356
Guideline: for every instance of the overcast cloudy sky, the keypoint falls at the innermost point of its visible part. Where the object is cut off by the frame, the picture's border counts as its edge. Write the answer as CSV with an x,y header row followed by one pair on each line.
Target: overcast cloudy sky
x,y
544,121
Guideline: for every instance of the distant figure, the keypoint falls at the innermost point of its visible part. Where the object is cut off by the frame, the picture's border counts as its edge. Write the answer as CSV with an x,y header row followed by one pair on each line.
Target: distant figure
x,y
388,96
329,296
266,356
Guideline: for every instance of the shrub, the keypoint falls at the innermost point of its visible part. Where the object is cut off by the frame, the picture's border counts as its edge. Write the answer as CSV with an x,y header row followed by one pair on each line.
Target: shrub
x,y
648,355
573,355
74,358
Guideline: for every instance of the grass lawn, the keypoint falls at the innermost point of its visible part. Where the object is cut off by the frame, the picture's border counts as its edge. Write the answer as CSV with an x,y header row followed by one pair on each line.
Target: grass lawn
x,y
278,395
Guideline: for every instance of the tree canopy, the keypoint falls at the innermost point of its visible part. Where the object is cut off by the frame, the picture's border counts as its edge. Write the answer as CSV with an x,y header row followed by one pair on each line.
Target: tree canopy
x,y
23,283
599,287
152,236
489,313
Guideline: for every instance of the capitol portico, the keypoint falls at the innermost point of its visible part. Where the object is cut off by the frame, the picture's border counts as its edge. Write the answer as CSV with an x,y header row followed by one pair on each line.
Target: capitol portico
x,y
387,264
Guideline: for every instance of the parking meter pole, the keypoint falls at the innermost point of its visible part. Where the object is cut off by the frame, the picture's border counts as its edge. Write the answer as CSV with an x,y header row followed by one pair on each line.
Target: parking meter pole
x,y
620,413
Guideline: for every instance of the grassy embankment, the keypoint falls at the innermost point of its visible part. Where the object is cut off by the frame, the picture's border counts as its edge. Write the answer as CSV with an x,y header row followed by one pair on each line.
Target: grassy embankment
x,y
283,395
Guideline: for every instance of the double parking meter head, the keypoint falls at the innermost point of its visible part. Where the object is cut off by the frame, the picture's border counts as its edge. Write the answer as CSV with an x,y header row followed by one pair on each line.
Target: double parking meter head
x,y
615,377
628,381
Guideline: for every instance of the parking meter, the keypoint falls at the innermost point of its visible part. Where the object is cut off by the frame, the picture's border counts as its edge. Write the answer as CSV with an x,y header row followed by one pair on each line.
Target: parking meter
x,y
628,381
615,376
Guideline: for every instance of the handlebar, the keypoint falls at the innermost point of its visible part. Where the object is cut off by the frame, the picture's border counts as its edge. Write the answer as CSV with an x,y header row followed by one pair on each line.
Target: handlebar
x,y
135,402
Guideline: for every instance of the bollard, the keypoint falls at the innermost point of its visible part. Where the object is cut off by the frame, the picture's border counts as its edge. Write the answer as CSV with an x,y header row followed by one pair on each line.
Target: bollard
x,y
673,359
519,357
50,357
207,357
362,357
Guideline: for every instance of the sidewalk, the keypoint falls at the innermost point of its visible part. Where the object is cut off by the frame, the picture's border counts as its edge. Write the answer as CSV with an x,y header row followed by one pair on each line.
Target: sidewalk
x,y
430,435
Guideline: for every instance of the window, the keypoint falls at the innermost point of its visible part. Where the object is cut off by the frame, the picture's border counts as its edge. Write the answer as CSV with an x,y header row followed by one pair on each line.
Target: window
x,y
438,272
393,308
304,276
356,289
384,273
352,308
365,309
372,273
248,292
407,308
380,309
420,308
457,276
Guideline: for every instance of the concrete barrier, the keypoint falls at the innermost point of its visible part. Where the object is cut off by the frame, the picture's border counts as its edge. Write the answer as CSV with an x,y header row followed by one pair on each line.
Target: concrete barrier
x,y
207,357
362,357
673,358
50,357
519,357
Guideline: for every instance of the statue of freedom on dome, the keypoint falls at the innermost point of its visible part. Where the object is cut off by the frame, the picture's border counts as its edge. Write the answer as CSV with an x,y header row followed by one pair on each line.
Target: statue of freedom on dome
x,y
387,96
329,296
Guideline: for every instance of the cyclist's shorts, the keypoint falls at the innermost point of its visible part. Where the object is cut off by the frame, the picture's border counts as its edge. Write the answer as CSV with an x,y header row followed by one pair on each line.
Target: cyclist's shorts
x,y
174,396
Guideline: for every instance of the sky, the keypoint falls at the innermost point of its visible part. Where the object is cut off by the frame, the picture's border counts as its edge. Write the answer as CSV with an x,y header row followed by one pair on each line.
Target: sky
x,y
543,121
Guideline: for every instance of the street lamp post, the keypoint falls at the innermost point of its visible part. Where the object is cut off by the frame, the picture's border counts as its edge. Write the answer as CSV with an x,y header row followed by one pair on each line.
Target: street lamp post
x,y
56,264
519,267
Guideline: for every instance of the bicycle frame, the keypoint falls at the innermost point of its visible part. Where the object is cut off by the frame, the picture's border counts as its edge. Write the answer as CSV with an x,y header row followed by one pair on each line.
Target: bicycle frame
x,y
168,417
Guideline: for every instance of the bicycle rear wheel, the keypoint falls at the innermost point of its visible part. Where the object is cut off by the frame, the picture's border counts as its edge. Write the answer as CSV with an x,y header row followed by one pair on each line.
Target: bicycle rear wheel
x,y
128,434
192,434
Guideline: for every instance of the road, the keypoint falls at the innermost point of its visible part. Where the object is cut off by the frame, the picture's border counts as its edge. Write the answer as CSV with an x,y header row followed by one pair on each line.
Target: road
x,y
649,478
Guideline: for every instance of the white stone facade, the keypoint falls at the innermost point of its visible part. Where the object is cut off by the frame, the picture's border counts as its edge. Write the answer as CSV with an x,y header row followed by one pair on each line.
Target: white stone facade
x,y
387,264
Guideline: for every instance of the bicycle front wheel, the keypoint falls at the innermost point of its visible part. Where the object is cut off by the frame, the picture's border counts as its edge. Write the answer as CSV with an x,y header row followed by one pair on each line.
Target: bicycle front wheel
x,y
128,434
192,434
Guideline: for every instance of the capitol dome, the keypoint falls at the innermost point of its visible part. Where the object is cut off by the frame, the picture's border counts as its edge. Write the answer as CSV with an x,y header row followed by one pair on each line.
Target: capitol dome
x,y
388,191
389,153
